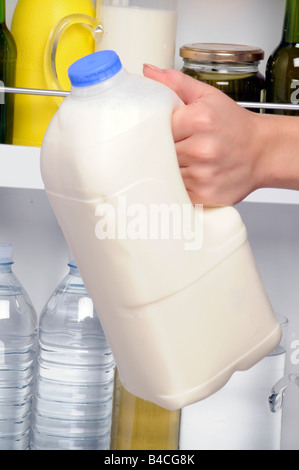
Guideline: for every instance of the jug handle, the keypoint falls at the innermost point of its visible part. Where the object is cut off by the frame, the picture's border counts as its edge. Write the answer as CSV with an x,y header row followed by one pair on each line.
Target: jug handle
x,y
278,390
92,24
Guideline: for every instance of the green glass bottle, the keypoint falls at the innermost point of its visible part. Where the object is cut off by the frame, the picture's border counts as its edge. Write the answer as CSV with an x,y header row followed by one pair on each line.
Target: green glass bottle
x,y
282,71
8,56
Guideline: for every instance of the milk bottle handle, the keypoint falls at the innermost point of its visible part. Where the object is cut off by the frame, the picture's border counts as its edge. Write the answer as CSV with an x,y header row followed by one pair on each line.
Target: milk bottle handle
x,y
278,390
92,24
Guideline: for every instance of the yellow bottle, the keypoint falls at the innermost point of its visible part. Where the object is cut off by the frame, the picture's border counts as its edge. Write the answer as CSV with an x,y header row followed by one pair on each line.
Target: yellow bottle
x,y
32,23
141,425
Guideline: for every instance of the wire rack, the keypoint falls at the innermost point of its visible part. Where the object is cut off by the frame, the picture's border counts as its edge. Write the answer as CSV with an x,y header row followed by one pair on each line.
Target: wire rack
x,y
64,94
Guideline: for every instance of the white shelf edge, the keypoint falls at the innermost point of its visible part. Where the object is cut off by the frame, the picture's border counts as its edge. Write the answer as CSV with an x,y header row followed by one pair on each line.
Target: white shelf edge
x,y
274,196
20,167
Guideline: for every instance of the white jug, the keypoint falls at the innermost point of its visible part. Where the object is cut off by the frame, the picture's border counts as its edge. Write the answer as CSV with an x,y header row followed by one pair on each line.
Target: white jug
x,y
176,287
140,31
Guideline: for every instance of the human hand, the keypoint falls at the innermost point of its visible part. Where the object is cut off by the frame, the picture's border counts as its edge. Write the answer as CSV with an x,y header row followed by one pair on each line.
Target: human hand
x,y
216,141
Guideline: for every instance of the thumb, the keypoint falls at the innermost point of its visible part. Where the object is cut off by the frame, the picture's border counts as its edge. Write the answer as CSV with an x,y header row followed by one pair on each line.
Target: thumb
x,y
187,88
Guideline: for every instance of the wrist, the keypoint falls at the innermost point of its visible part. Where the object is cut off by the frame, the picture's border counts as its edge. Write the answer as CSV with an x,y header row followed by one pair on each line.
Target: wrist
x,y
277,151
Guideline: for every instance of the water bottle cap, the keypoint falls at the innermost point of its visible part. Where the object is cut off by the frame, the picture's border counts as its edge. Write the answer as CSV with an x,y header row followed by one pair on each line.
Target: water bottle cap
x,y
72,261
94,68
6,253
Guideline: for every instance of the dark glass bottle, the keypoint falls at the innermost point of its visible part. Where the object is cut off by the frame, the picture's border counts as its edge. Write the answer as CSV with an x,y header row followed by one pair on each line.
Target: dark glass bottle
x,y
8,56
282,71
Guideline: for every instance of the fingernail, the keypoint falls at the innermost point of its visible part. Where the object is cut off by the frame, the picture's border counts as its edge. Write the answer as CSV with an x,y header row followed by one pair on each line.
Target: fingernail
x,y
153,67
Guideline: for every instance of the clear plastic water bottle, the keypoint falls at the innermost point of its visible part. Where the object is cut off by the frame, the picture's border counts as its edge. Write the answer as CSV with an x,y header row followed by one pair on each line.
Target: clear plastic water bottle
x,y
75,373
18,329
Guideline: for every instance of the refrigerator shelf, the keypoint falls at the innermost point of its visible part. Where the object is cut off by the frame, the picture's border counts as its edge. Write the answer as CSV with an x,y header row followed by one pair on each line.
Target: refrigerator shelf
x,y
20,168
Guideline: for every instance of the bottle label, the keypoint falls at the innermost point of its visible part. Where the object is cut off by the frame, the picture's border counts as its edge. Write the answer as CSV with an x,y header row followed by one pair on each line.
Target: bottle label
x,y
2,94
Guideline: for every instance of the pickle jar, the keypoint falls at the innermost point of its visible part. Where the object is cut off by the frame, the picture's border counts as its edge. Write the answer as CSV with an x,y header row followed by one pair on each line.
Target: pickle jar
x,y
232,68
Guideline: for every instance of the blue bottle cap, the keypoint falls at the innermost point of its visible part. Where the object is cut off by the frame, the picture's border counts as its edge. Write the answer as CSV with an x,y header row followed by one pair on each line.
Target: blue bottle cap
x,y
6,253
72,261
94,68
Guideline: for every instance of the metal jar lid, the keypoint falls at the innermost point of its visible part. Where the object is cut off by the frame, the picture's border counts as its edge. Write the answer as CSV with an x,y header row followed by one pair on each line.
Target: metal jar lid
x,y
215,52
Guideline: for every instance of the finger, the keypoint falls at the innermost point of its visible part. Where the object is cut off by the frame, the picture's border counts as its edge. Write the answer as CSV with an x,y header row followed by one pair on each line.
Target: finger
x,y
191,121
187,88
186,154
183,123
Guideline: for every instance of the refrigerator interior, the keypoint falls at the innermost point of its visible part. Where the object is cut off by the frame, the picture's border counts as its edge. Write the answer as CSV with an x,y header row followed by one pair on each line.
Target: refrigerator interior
x,y
28,222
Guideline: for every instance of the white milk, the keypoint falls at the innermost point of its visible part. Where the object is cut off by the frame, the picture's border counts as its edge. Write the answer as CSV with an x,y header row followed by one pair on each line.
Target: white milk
x,y
238,416
139,35
181,314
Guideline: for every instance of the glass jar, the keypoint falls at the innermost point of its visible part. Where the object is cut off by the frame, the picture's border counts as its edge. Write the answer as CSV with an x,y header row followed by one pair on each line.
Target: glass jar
x,y
232,68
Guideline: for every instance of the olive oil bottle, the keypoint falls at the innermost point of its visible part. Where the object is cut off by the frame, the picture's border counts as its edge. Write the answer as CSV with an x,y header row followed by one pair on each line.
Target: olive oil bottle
x,y
8,56
282,71
140,425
